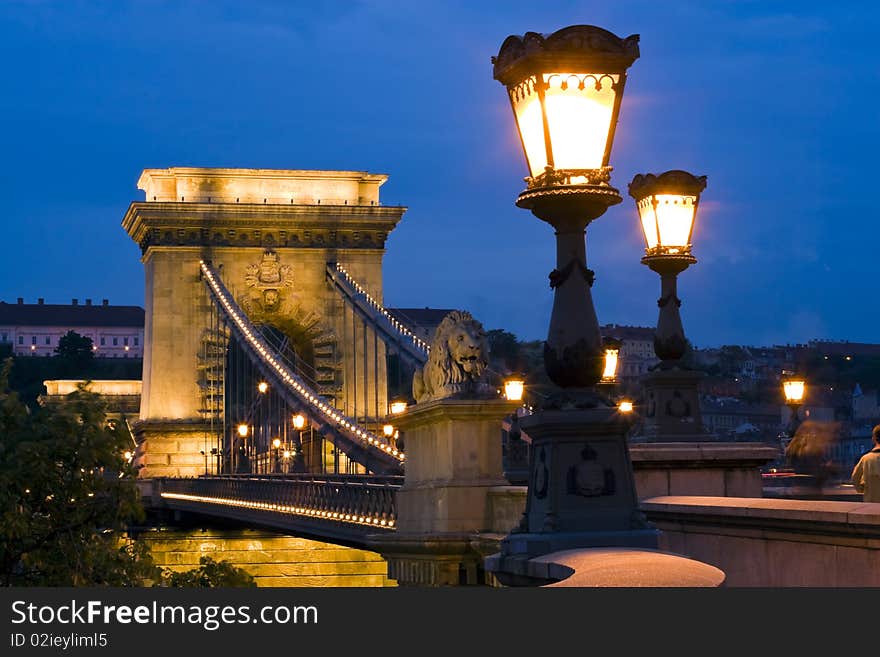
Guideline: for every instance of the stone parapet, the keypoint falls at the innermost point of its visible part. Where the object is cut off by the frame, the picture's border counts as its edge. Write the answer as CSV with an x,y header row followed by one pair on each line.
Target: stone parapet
x,y
775,543
699,468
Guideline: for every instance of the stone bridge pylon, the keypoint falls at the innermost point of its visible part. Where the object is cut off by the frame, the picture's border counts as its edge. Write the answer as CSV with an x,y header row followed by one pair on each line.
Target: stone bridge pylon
x,y
270,234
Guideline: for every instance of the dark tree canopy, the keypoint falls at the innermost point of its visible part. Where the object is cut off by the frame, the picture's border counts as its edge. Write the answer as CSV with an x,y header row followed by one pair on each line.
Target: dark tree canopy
x,y
67,497
75,349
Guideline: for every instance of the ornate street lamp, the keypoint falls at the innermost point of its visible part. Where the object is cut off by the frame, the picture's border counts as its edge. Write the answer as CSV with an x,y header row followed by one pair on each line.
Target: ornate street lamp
x,y
565,90
793,387
667,205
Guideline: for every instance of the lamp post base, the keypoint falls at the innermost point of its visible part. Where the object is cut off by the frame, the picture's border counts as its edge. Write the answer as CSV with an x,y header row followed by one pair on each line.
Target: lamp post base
x,y
581,489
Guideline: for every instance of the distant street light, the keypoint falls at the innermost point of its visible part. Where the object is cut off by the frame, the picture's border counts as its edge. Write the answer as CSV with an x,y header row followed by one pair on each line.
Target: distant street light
x,y
262,386
514,387
667,207
243,430
398,405
299,421
794,388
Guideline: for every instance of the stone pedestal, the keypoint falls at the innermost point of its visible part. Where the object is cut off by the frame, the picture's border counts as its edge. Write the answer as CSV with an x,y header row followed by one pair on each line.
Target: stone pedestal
x,y
172,449
672,405
453,464
581,491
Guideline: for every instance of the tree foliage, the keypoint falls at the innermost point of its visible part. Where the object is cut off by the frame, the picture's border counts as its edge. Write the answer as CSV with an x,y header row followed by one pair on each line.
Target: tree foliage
x,y
209,574
66,495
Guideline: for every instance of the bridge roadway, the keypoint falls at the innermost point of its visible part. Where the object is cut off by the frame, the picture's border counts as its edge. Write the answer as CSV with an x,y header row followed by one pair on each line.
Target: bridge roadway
x,y
344,509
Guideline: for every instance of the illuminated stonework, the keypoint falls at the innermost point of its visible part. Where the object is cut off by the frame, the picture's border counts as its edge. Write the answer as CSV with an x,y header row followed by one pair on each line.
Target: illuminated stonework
x,y
234,217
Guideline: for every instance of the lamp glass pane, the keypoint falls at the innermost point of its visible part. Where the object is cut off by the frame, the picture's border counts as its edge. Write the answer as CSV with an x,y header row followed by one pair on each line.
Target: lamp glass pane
x,y
610,371
514,389
675,215
649,221
794,390
527,107
579,116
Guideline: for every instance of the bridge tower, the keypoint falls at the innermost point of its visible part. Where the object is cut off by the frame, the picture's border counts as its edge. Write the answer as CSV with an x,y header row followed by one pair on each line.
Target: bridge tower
x,y
270,234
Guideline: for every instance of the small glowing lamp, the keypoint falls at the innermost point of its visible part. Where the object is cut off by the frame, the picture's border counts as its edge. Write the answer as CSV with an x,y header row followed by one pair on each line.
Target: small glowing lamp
x,y
794,389
612,353
398,406
514,388
276,443
667,205
388,430
299,421
286,454
262,386
127,455
243,430
625,407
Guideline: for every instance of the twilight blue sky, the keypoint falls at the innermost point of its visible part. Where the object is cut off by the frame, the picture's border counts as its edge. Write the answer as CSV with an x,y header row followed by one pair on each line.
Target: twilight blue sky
x,y
775,101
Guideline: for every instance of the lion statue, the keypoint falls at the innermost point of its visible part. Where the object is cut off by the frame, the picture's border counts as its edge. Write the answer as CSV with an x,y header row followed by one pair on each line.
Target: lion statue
x,y
458,359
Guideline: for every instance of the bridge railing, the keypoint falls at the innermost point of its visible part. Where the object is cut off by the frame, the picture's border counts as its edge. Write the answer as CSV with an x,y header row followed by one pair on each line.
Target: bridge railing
x,y
363,501
391,330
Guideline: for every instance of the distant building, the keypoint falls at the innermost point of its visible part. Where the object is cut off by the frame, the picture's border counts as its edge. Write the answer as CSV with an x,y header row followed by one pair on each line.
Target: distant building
x,y
122,397
34,329
731,418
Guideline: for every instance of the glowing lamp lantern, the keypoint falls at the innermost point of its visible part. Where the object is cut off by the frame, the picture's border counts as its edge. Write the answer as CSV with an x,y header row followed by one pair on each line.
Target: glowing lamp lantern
x,y
243,430
299,422
612,357
388,430
794,389
514,388
667,206
286,454
276,443
565,91
262,386
625,407
397,406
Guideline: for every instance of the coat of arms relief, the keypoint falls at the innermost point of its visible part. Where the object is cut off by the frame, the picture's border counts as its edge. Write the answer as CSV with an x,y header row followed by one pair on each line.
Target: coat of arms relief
x,y
267,281
269,299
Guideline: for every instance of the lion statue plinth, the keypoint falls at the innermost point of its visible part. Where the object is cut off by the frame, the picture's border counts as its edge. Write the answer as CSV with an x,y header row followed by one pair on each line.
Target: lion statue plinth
x,y
457,362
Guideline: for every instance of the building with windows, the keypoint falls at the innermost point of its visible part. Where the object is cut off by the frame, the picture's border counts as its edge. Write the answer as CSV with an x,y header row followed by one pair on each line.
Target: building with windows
x,y
33,329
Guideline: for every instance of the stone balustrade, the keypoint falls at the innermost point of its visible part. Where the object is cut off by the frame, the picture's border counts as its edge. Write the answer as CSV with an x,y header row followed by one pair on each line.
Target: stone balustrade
x,y
773,542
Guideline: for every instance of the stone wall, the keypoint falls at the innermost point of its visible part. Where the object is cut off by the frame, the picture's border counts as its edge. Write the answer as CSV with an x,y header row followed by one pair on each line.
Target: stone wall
x,y
774,543
273,559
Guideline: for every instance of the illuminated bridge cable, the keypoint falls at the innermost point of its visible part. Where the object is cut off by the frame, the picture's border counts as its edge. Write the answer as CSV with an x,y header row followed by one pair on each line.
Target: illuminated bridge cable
x,y
391,331
358,443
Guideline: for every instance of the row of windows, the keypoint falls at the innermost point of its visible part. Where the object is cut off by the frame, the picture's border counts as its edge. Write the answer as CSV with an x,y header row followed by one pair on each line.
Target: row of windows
x,y
48,339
